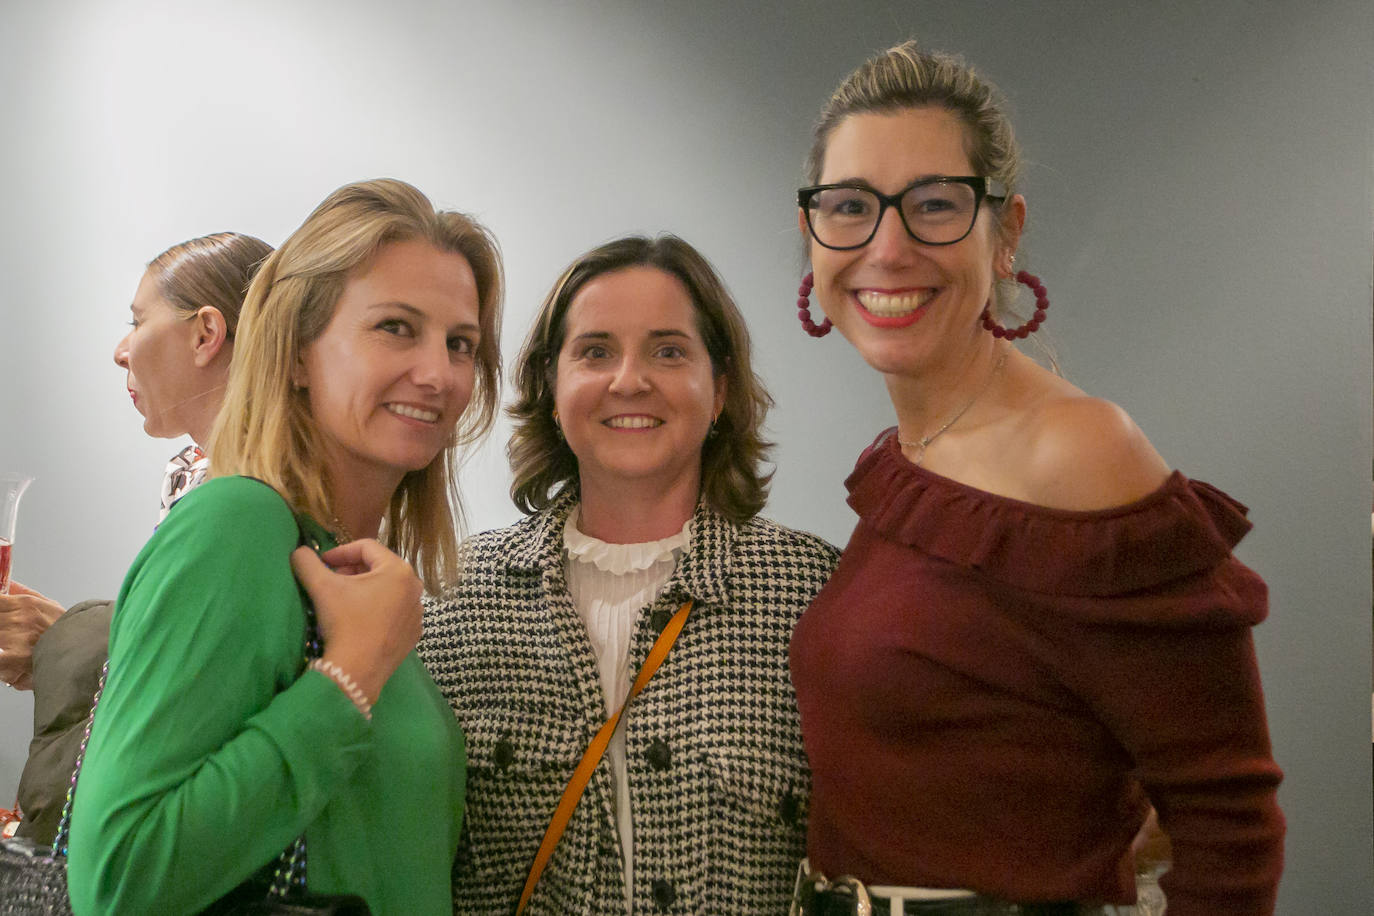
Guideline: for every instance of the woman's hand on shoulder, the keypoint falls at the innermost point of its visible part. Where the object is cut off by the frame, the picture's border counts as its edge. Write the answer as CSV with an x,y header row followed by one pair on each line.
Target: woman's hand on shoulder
x,y
1087,454
367,603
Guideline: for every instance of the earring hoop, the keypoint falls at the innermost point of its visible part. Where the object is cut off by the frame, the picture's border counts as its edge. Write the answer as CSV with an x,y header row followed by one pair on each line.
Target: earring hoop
x,y
804,309
1042,303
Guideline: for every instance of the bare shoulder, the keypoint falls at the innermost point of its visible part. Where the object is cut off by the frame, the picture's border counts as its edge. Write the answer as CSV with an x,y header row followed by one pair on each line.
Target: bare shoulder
x,y
1086,453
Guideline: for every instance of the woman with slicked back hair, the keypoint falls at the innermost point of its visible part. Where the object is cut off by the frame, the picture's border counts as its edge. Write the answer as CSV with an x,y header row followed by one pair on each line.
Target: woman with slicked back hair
x,y
176,358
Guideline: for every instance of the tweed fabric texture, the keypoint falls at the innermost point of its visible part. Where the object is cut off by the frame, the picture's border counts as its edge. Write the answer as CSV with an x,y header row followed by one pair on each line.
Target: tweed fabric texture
x,y
717,770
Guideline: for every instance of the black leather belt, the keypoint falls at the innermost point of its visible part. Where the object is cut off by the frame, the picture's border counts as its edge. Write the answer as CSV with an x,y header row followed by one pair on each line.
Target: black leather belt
x,y
844,903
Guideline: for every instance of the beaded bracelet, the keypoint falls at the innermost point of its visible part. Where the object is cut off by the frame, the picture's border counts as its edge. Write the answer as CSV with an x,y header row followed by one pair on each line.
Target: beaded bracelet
x,y
346,684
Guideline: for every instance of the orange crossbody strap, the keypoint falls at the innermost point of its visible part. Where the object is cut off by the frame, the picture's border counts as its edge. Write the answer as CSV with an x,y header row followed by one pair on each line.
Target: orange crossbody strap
x,y
577,784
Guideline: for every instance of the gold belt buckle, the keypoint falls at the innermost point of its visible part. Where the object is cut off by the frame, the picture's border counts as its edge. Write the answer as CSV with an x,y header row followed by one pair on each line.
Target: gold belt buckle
x,y
863,904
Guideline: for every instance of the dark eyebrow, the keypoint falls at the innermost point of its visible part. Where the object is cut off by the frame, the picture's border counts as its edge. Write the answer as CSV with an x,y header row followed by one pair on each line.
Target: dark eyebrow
x,y
655,333
865,183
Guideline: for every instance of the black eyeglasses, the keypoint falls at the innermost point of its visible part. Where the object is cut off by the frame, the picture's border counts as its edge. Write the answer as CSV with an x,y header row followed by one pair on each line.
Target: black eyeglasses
x,y
934,211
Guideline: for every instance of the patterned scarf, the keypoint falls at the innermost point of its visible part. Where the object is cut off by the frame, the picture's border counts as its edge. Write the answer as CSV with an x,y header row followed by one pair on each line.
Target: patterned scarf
x,y
185,471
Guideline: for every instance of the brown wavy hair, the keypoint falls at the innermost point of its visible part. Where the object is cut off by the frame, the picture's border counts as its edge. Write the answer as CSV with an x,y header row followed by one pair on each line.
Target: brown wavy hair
x,y
732,480
265,428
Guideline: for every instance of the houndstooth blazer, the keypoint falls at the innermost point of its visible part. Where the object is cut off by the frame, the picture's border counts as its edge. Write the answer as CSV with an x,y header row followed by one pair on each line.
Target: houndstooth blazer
x,y
717,772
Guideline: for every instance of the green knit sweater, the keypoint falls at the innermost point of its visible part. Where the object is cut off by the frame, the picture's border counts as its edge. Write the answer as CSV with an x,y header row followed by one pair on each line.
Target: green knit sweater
x,y
211,750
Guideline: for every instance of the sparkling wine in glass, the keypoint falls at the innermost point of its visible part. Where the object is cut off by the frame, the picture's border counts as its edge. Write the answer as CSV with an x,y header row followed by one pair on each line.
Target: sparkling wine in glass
x,y
12,486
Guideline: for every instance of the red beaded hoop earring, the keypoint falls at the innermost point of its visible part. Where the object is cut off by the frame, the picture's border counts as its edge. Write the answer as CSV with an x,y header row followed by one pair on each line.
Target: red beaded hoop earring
x,y
1042,302
804,309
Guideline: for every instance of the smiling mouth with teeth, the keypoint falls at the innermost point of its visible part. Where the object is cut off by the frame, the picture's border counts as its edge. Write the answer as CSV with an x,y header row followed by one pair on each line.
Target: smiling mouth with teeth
x,y
889,305
633,422
414,413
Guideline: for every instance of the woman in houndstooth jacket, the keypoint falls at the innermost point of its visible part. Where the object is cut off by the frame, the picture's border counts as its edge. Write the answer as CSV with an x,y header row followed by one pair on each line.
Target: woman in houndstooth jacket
x,y
636,455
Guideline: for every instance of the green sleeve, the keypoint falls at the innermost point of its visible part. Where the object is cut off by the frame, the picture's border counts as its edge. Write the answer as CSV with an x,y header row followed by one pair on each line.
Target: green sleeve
x,y
210,751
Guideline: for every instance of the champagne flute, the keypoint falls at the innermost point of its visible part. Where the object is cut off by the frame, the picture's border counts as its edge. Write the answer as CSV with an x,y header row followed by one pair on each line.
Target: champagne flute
x,y
12,486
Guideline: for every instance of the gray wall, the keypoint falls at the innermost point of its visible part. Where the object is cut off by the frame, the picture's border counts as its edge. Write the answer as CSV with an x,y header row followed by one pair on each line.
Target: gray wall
x,y
1200,190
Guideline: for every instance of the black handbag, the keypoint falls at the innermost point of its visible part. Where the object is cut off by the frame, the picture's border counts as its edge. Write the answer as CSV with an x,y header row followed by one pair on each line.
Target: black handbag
x,y
33,882
33,878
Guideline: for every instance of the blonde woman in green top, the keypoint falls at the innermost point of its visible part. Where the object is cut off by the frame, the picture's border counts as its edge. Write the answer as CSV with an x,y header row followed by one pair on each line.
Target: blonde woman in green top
x,y
368,353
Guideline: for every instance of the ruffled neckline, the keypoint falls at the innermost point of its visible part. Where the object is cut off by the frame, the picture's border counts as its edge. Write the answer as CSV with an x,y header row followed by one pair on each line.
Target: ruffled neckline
x,y
1184,527
619,559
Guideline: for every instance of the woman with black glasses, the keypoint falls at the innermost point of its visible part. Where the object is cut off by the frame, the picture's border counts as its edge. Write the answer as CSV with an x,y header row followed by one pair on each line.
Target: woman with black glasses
x,y
1038,629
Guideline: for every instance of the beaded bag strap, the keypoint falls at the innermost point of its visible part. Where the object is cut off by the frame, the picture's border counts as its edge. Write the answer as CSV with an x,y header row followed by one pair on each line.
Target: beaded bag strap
x,y
289,870
289,873
64,825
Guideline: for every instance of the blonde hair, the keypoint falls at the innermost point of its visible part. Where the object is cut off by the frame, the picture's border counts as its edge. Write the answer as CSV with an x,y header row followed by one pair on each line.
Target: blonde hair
x,y
265,428
907,77
732,481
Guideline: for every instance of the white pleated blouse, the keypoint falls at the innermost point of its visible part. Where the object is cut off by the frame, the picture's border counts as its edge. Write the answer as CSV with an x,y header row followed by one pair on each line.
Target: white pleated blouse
x,y
610,585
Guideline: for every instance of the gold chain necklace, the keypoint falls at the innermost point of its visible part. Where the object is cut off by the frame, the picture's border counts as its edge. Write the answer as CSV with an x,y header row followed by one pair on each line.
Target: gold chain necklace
x,y
344,536
924,442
